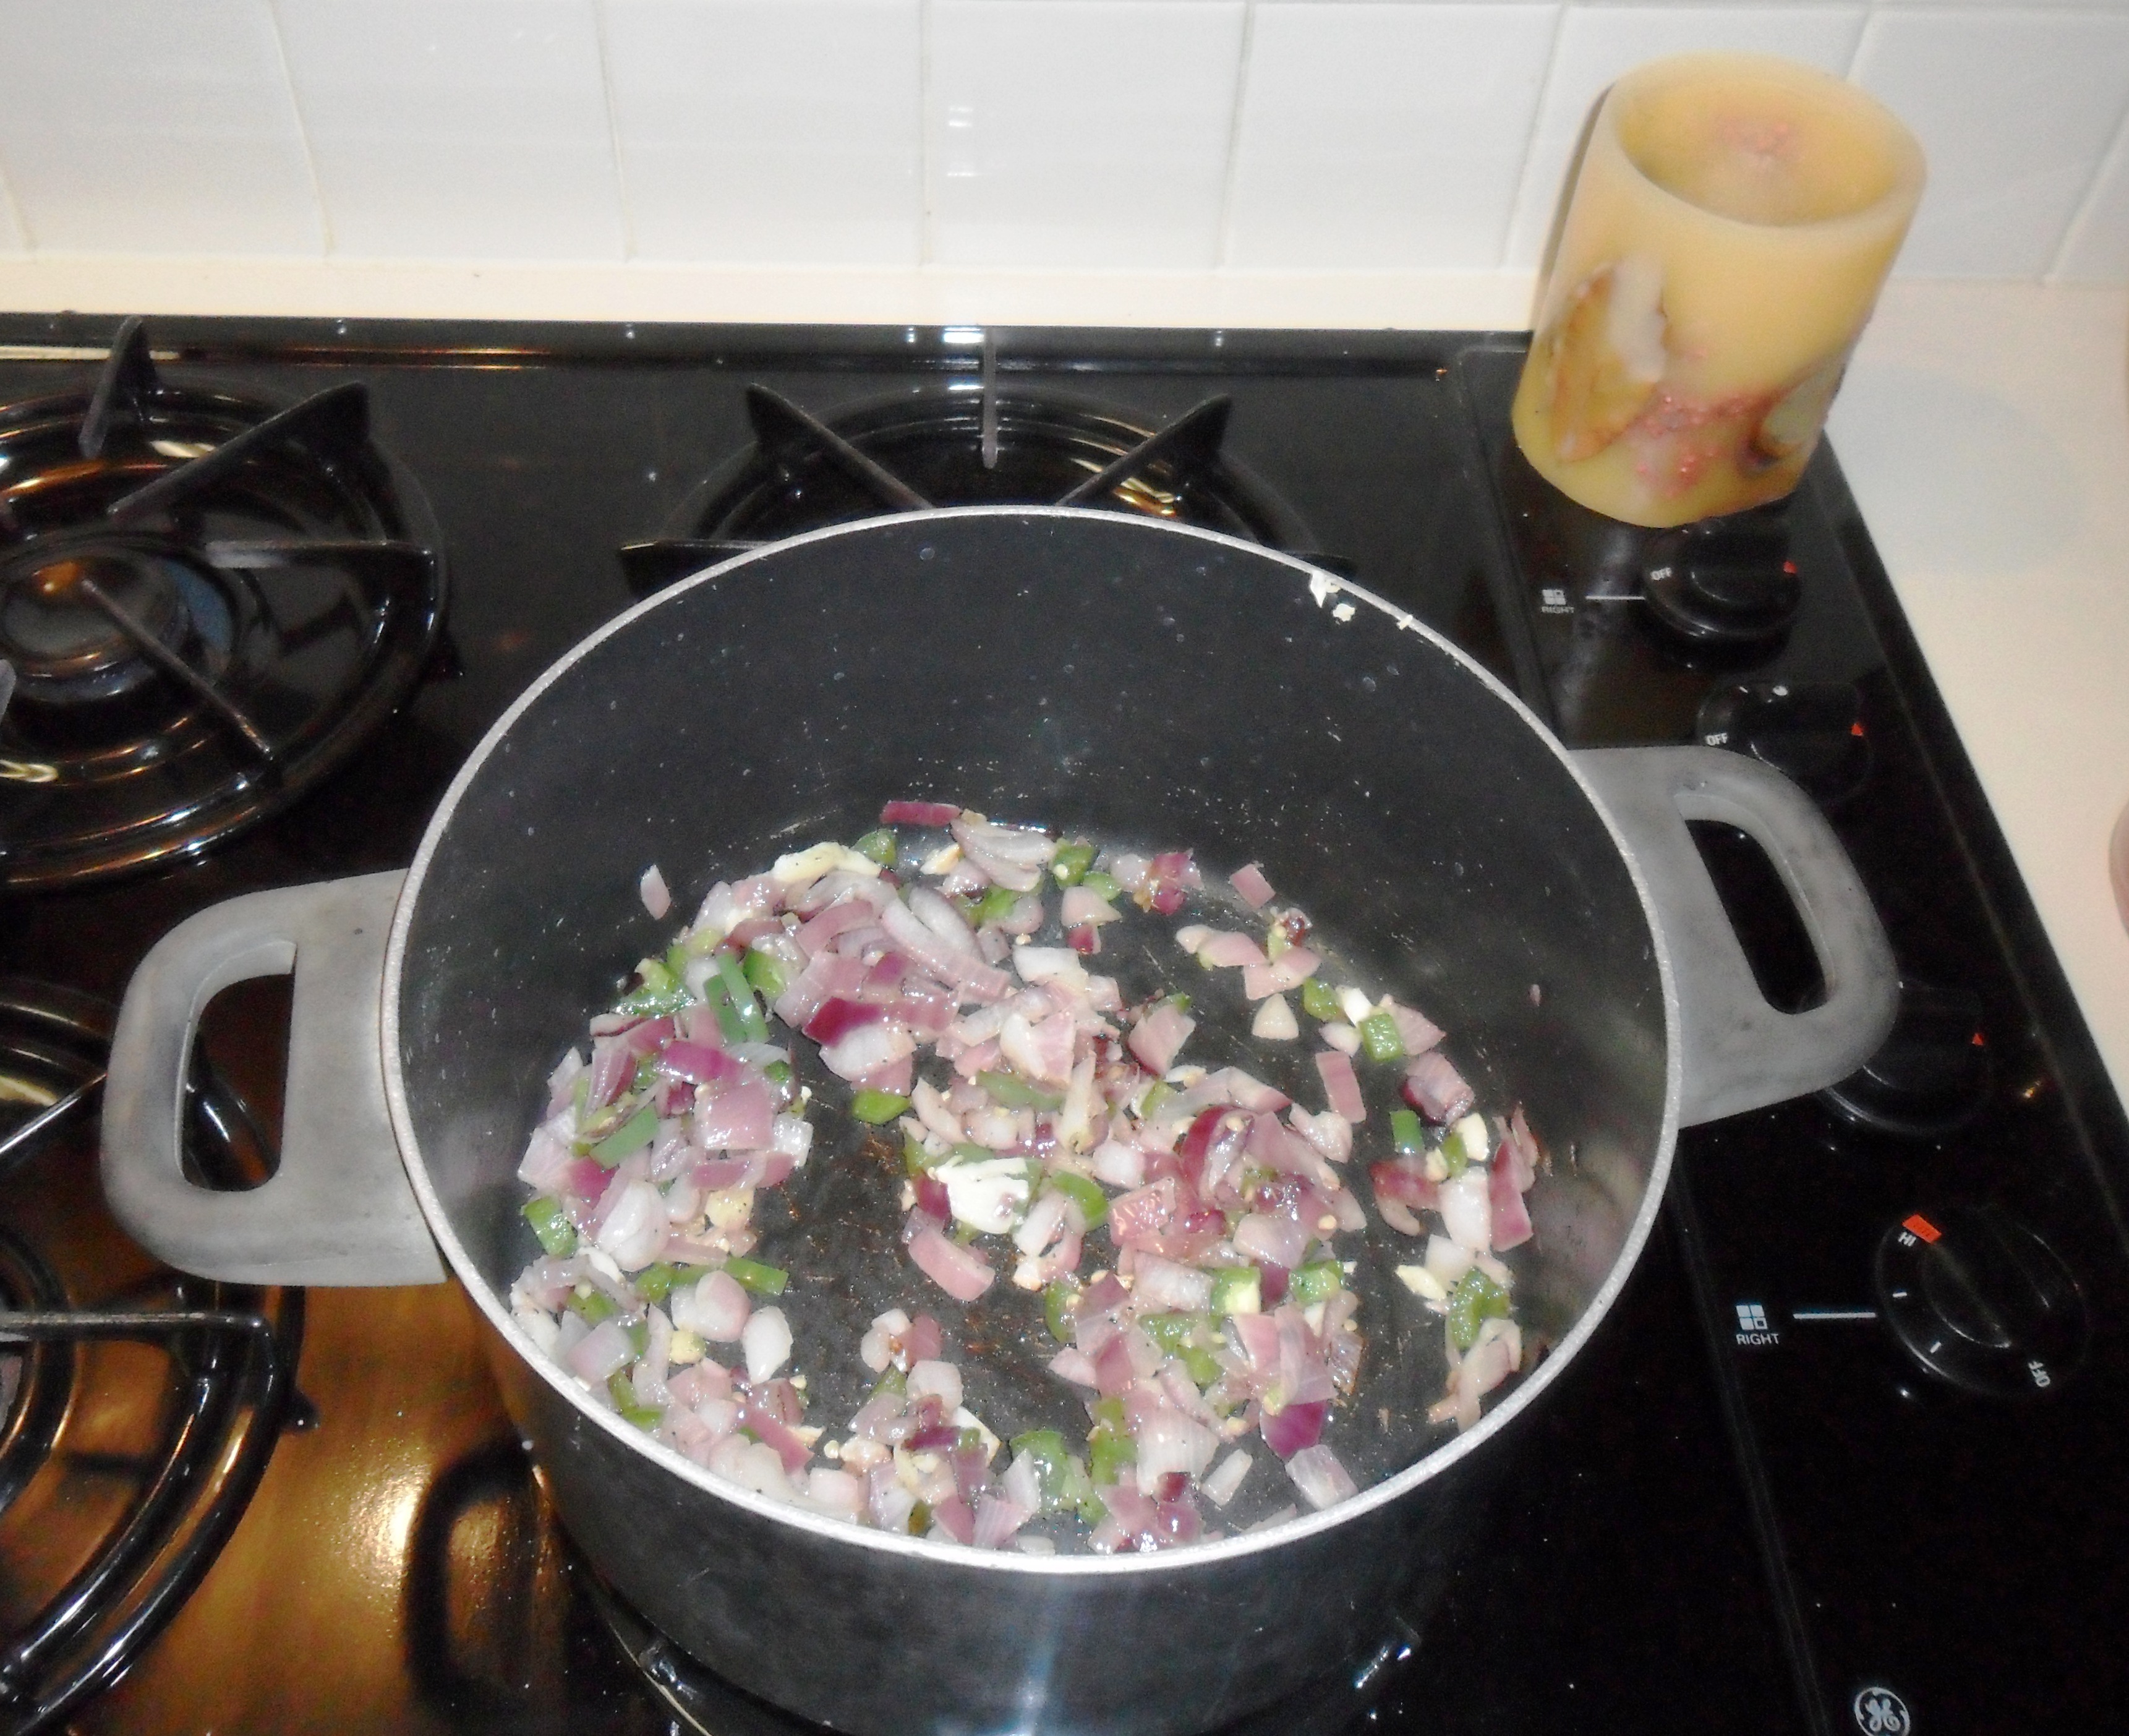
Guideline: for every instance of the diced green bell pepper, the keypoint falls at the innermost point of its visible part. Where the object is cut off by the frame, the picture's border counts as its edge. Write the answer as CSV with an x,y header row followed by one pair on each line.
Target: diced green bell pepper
x,y
1107,1452
595,1307
1476,1298
1380,1039
1087,1195
1237,1291
1317,1282
1010,1091
1068,866
879,845
751,1275
630,1136
763,973
753,1026
551,1224
1405,1134
1059,1300
1320,1000
1046,1446
877,1107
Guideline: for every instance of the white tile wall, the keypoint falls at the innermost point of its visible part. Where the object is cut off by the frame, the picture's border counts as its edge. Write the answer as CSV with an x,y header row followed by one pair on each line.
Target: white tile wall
x,y
2014,111
136,125
1079,132
1383,135
1597,43
2097,249
1184,135
776,130
457,129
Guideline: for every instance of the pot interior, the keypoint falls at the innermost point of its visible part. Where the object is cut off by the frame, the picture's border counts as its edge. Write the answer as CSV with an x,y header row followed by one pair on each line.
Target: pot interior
x,y
1114,679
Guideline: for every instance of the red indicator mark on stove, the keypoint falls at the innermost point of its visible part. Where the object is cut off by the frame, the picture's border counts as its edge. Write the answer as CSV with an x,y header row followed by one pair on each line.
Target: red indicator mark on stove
x,y
1789,567
1922,1227
1980,1041
1856,727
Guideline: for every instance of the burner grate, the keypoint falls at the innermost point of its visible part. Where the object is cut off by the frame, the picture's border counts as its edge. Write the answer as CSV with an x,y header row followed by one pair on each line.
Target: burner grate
x,y
116,1493
960,448
206,602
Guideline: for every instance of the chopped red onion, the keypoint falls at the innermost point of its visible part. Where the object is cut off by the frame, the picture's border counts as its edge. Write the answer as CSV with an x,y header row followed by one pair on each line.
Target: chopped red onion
x,y
1231,950
715,1309
1341,1085
1322,1480
919,814
1166,1286
997,1519
960,1271
1436,1089
1157,1037
1256,892
1293,1428
1510,1226
1467,1211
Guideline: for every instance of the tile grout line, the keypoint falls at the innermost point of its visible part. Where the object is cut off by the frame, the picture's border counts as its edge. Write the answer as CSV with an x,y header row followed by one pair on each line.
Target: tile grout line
x,y
927,217
1862,37
2073,230
14,208
1530,140
326,245
628,253
1223,233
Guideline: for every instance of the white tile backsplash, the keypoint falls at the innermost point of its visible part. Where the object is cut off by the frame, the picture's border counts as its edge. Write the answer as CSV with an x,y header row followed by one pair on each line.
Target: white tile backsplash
x,y
2014,111
1241,135
1080,133
1597,43
138,126
1384,136
770,130
457,129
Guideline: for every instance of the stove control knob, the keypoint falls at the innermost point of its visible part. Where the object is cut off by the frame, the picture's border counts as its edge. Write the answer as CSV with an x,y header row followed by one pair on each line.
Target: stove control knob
x,y
1930,1077
1980,1300
1725,581
1811,731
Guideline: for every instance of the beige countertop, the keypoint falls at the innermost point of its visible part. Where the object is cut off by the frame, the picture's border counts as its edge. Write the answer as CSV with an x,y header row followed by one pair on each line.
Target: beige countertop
x,y
1984,428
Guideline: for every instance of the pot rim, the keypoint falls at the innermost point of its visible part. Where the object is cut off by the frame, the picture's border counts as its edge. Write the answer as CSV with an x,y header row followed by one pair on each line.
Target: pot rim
x,y
1328,590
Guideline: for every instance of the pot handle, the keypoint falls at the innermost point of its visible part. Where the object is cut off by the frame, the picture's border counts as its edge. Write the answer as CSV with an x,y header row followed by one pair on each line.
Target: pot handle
x,y
1739,1052
339,1209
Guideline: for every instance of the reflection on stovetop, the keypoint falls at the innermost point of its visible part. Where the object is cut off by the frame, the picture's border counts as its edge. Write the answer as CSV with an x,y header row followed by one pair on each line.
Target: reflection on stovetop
x,y
1767,1527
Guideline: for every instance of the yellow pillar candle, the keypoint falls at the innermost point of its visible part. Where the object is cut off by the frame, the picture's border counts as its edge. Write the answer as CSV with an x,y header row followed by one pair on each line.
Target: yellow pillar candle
x,y
1733,219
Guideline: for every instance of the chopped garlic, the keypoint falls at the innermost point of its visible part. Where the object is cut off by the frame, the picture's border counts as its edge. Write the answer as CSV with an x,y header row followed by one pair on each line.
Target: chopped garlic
x,y
805,865
1421,1282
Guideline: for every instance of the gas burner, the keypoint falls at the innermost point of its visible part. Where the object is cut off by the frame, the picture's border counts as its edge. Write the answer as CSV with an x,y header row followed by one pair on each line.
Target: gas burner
x,y
206,602
137,1408
960,448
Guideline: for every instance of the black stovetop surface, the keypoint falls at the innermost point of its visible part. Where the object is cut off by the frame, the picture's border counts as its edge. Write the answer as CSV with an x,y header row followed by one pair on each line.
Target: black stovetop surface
x,y
1789,1529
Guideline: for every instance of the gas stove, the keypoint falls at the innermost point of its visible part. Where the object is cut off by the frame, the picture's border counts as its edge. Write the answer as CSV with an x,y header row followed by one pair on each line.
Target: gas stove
x,y
1841,1462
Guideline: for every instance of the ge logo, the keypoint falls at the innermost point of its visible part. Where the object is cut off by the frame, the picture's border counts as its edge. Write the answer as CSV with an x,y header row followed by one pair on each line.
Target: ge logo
x,y
1881,1712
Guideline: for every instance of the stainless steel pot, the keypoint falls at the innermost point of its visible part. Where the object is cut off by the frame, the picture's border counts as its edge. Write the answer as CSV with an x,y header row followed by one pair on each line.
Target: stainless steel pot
x,y
1119,679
